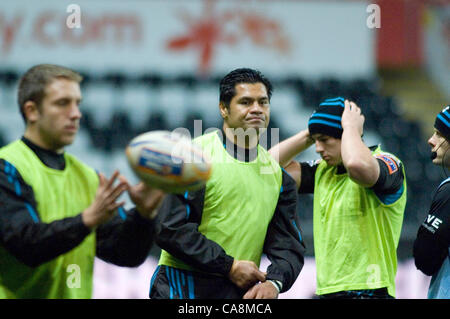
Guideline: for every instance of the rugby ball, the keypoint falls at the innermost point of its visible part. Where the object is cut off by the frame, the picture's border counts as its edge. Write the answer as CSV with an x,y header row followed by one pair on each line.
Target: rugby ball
x,y
169,161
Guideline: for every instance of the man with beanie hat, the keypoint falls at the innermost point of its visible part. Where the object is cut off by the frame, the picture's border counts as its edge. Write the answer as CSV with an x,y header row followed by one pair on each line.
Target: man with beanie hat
x,y
432,245
359,202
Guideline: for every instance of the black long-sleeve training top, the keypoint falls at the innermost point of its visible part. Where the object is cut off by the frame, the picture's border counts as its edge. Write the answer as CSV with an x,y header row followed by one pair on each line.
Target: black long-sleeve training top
x,y
125,240
180,216
431,246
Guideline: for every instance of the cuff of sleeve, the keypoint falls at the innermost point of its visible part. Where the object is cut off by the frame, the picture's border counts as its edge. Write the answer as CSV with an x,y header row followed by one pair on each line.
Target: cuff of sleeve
x,y
275,277
278,284
138,217
85,230
227,265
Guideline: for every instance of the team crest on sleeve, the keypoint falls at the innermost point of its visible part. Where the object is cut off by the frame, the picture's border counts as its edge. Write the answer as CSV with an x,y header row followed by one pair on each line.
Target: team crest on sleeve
x,y
390,162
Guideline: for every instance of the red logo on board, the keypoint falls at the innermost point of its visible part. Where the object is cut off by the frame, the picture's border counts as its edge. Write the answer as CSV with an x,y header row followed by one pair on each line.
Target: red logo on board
x,y
212,29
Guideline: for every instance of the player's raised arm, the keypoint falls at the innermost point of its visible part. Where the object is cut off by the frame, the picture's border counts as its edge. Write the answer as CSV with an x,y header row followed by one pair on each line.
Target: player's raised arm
x,y
361,165
285,151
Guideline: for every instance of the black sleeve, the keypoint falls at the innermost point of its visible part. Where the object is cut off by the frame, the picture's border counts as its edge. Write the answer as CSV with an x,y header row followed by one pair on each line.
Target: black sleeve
x,y
177,233
22,233
391,176
126,239
308,172
433,237
284,245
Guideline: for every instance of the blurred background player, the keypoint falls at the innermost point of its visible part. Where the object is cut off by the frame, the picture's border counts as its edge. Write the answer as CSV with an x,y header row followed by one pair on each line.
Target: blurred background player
x,y
359,201
432,245
56,212
213,239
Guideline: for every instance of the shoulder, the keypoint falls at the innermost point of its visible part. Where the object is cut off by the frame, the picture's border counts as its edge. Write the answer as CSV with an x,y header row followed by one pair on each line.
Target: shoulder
x,y
442,194
79,165
11,150
445,184
207,138
288,189
392,162
19,156
10,145
211,146
7,168
268,158
438,216
288,182
12,182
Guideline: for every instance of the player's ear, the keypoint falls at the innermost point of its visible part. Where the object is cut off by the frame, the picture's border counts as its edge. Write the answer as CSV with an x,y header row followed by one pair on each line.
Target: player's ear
x,y
223,110
31,111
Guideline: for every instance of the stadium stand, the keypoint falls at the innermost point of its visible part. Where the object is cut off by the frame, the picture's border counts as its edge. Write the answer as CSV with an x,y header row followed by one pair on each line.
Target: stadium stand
x,y
118,106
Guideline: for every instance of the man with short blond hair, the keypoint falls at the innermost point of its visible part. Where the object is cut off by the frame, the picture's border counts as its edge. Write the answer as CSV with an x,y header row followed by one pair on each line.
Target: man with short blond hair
x,y
57,213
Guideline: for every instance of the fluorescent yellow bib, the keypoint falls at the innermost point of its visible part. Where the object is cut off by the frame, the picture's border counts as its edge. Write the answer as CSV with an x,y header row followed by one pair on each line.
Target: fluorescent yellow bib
x,y
58,194
240,199
355,234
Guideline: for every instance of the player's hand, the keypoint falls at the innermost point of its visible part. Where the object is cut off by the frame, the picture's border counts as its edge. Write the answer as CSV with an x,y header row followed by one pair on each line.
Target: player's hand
x,y
104,204
245,274
147,199
264,290
352,117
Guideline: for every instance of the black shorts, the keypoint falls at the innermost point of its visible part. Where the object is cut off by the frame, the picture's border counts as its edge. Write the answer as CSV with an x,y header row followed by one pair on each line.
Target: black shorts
x,y
174,283
381,293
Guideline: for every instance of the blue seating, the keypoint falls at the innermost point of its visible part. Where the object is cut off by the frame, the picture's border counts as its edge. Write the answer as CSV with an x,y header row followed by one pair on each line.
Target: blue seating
x,y
110,127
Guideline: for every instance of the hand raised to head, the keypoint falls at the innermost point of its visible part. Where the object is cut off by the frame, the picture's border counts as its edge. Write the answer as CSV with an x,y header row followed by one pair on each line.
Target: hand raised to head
x,y
352,117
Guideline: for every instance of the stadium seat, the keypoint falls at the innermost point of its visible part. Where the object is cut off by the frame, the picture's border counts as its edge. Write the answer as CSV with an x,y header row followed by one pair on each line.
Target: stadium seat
x,y
2,140
119,105
87,120
8,77
116,80
122,131
156,121
189,122
151,80
331,87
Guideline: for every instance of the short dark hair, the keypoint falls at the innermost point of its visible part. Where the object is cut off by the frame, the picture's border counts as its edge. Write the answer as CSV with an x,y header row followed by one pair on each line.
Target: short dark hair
x,y
33,83
241,75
